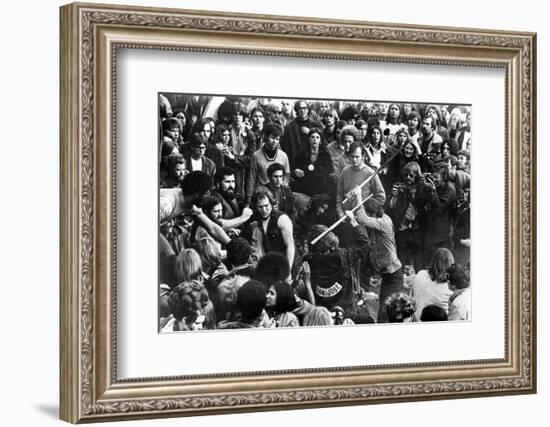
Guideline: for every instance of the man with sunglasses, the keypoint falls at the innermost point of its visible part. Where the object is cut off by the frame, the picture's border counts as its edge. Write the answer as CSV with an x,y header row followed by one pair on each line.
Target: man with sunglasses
x,y
196,160
409,200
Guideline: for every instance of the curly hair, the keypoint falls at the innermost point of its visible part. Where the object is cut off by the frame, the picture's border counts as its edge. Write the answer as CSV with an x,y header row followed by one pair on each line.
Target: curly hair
x,y
187,299
327,243
399,306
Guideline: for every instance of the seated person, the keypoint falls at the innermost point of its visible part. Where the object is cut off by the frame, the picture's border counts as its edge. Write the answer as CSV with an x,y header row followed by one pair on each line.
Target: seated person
x,y
460,303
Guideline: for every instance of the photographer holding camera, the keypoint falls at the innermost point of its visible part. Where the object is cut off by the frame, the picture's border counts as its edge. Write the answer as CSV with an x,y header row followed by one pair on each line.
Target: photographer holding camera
x,y
408,208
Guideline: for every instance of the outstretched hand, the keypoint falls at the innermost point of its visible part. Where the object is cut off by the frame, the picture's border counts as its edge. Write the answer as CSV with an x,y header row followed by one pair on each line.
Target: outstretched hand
x,y
351,218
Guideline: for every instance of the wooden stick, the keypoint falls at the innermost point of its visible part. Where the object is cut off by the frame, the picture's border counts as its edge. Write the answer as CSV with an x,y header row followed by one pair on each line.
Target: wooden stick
x,y
337,223
349,195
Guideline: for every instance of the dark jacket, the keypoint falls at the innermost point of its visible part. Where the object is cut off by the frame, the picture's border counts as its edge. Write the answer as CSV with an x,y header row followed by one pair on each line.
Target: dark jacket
x,y
440,215
334,275
208,166
294,141
318,177
421,202
285,199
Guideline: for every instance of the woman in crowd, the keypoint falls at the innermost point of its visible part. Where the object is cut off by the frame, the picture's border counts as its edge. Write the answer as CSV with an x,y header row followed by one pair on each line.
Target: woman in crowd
x,y
431,287
314,171
454,122
375,148
257,117
185,125
189,269
280,303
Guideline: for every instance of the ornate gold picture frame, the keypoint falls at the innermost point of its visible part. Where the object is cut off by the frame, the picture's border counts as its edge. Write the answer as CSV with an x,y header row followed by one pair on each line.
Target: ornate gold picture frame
x,y
91,35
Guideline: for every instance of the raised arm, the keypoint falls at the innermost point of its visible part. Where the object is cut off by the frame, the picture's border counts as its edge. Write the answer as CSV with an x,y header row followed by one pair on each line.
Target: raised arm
x,y
285,225
228,224
252,176
211,227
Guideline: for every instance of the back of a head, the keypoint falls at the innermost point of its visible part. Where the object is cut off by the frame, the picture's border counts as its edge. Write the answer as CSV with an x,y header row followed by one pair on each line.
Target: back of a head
x,y
442,259
374,207
286,300
196,183
238,251
209,253
188,265
318,316
272,267
327,243
251,299
186,299
459,276
433,313
273,130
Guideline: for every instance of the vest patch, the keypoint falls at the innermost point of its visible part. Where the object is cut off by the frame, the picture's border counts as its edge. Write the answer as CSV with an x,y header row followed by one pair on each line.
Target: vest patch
x,y
328,292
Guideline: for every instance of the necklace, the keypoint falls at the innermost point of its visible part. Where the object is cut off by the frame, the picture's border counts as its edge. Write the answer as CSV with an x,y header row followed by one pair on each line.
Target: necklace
x,y
270,158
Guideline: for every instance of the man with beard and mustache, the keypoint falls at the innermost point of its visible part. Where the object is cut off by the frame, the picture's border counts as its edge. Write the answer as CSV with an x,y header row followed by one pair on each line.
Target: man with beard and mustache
x,y
233,214
225,191
295,138
429,137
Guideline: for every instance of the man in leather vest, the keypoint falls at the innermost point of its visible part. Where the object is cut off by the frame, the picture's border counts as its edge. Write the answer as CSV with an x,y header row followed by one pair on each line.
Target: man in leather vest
x,y
334,270
269,230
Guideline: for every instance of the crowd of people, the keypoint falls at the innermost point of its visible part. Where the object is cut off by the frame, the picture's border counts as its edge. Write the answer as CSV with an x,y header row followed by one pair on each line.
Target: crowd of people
x,y
250,189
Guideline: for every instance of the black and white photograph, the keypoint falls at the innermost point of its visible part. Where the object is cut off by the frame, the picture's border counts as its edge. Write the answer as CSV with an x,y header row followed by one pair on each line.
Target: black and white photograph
x,y
280,212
